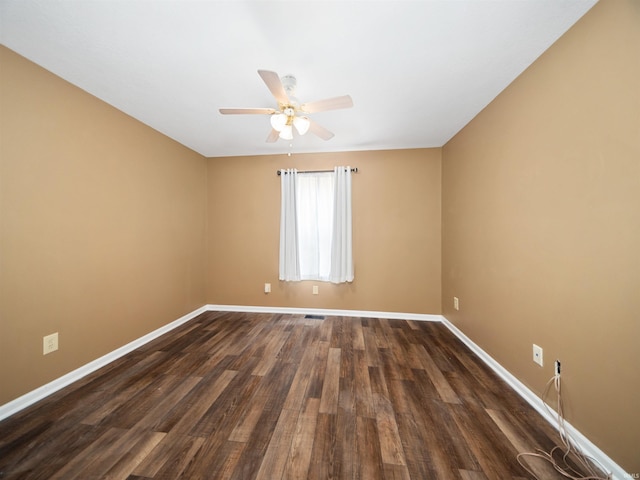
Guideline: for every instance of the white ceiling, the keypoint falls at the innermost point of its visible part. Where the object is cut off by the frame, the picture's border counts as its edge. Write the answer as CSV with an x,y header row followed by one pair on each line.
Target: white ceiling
x,y
418,71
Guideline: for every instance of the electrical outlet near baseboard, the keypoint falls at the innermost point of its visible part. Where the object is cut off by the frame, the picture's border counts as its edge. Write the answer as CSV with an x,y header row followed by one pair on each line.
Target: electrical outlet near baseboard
x,y
456,303
537,354
50,343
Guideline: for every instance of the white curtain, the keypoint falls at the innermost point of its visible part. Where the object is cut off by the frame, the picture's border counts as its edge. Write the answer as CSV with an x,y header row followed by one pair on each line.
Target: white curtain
x,y
315,226
315,222
289,256
341,250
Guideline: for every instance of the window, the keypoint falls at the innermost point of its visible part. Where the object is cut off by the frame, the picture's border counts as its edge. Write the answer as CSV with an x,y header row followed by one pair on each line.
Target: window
x,y
315,226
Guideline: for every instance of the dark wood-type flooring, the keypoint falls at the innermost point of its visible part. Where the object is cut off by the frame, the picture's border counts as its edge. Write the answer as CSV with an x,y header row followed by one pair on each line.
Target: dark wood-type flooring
x,y
270,396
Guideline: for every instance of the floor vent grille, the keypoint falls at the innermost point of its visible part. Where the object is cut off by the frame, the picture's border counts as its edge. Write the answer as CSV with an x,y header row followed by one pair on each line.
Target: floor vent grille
x,y
315,317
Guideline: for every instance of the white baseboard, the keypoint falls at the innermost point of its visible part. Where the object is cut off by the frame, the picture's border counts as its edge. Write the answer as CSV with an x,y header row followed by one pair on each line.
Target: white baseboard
x,y
34,396
327,312
586,446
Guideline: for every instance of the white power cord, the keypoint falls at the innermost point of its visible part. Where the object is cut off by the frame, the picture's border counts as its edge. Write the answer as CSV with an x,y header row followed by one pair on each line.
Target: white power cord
x,y
559,455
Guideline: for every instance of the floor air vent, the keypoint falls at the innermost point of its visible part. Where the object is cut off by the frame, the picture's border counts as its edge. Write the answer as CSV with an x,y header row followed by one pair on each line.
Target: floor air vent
x,y
315,317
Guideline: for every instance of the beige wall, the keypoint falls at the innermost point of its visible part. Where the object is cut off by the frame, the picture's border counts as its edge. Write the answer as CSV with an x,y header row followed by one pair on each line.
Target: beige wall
x,y
541,225
102,224
396,232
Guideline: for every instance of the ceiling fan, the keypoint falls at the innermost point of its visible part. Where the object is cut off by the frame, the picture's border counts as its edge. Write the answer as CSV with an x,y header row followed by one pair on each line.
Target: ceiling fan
x,y
291,114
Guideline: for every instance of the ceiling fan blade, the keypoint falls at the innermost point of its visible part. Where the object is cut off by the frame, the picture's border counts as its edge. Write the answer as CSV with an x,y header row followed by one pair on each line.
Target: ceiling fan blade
x,y
274,84
320,131
273,136
334,103
243,111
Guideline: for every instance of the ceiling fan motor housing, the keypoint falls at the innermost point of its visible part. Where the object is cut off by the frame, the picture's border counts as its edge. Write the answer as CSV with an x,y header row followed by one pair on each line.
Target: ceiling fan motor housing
x,y
289,83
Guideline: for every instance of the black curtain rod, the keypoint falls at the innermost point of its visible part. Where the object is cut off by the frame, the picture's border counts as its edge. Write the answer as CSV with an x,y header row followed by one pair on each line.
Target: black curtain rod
x,y
354,170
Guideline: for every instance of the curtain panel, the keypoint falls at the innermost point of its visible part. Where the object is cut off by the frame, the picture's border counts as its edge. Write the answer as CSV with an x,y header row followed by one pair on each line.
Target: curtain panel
x,y
341,244
316,226
289,264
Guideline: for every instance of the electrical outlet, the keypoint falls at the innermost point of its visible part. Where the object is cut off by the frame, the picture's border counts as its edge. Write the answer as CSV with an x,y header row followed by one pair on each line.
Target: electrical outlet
x,y
50,343
557,367
456,303
315,290
537,354
267,288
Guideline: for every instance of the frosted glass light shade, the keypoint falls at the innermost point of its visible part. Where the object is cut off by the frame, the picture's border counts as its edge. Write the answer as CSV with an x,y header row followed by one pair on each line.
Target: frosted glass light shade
x,y
278,121
301,124
286,133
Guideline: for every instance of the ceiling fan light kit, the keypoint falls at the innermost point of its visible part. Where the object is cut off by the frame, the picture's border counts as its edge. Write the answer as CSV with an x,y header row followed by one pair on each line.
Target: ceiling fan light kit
x,y
287,116
302,124
279,121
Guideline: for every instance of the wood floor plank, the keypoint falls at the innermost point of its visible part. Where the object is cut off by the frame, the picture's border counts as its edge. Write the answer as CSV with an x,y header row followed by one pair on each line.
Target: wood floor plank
x,y
416,451
346,353
134,455
168,401
169,457
323,452
277,384
445,391
347,395
472,475
436,447
210,456
489,446
90,457
134,443
325,328
299,339
291,431
370,345
299,456
248,420
275,458
390,443
274,396
298,391
44,447
389,436
319,367
364,403
199,400
141,402
398,347
272,343
126,390
368,449
347,461
358,335
396,472
264,398
331,385
228,463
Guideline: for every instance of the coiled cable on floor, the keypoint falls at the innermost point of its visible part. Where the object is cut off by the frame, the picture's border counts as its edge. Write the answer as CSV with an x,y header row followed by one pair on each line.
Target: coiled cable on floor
x,y
559,456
